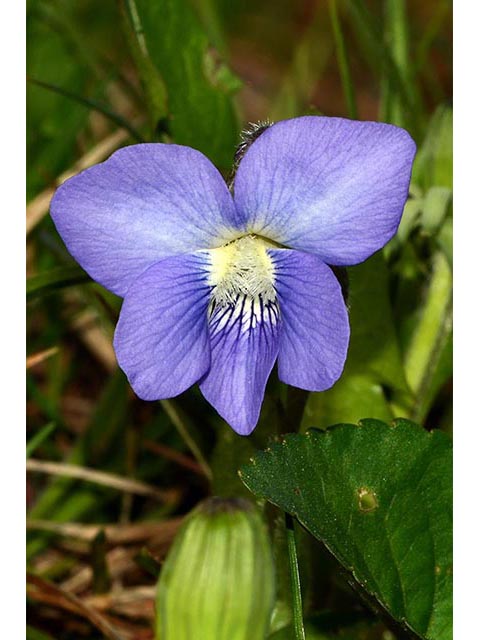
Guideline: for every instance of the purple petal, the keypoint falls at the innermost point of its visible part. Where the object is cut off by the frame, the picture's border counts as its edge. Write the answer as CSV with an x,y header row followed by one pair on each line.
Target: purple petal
x,y
161,339
315,330
146,202
244,342
329,186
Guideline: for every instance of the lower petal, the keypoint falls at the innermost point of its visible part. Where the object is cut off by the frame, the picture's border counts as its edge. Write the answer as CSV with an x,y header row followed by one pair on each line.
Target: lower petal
x,y
315,331
244,343
161,340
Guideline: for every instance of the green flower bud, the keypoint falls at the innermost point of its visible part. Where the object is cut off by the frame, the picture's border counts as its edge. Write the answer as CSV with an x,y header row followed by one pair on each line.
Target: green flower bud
x,y
217,582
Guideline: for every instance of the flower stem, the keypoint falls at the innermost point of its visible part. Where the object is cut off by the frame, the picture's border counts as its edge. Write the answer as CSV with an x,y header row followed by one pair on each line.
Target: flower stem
x,y
295,579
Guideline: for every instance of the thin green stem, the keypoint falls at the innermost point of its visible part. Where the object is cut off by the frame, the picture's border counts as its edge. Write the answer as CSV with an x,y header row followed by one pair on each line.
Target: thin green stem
x,y
347,83
297,608
179,422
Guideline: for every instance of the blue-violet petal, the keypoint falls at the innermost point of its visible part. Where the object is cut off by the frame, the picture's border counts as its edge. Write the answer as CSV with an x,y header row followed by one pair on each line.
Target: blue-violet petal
x,y
315,330
244,342
161,340
330,186
145,203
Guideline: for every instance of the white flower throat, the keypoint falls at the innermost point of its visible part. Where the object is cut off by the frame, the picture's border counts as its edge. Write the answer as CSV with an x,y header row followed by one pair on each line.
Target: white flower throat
x,y
242,269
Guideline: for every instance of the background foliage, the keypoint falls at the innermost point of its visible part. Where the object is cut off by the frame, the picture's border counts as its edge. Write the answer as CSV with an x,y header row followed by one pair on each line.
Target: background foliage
x,y
110,477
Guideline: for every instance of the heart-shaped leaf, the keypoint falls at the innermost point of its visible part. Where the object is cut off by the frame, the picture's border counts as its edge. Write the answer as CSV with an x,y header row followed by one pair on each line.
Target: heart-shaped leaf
x,y
379,497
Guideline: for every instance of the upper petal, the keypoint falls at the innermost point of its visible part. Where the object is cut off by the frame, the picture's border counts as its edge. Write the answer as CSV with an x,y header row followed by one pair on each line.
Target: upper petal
x,y
330,186
161,340
315,331
244,343
144,203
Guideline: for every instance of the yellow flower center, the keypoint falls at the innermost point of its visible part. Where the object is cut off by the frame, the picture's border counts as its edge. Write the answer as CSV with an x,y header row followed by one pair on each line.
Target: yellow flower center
x,y
242,268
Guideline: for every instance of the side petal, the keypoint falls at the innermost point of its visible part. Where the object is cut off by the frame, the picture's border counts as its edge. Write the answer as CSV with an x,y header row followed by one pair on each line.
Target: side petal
x,y
244,343
315,331
145,203
161,339
330,186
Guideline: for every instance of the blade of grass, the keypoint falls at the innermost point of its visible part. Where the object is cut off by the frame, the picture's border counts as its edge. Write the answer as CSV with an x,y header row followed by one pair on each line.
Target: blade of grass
x,y
152,83
41,356
91,448
116,533
38,396
91,104
433,83
341,50
126,602
180,422
56,278
369,34
94,337
103,478
175,456
309,61
397,42
40,437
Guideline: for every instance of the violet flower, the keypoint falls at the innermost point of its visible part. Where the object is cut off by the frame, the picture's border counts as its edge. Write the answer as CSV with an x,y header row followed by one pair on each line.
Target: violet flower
x,y
217,288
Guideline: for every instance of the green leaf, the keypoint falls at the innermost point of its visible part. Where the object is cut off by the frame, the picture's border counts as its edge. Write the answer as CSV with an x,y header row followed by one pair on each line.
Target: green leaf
x,y
153,86
410,218
436,205
430,334
374,358
353,395
445,240
83,56
199,85
433,165
379,497
374,345
57,278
